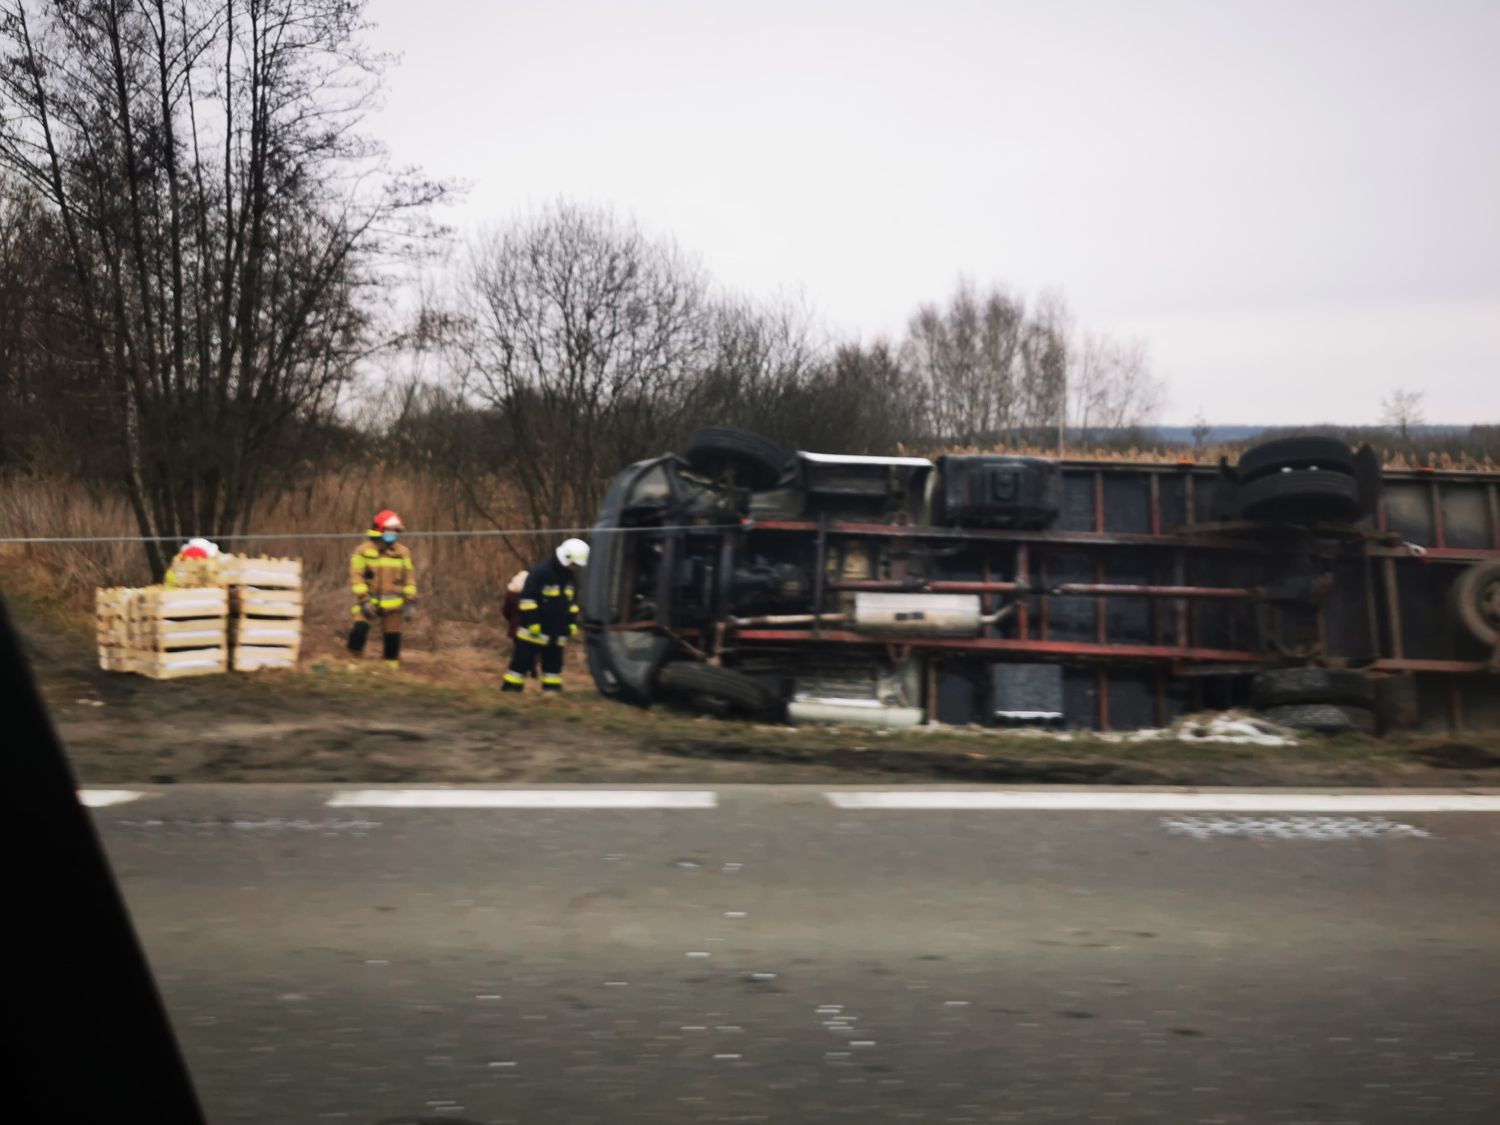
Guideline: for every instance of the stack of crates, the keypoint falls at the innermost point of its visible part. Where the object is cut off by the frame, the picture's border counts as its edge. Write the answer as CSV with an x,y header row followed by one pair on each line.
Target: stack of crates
x,y
197,572
111,611
173,632
265,599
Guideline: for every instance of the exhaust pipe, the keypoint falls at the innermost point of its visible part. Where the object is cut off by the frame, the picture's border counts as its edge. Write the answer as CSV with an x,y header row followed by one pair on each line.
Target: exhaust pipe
x,y
927,614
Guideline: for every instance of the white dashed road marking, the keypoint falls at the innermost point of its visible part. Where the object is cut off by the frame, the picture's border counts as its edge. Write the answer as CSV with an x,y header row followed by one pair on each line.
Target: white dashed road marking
x,y
99,798
524,799
1147,801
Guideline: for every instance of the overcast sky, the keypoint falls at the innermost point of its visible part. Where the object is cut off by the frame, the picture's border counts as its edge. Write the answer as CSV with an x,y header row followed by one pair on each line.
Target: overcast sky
x,y
1295,204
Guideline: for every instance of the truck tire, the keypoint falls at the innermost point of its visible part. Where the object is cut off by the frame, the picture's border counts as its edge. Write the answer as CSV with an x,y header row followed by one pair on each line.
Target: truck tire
x,y
1286,686
753,461
1474,603
1303,452
1301,496
1323,718
713,690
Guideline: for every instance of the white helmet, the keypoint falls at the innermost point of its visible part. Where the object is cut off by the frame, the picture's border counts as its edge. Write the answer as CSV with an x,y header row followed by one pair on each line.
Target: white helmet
x,y
573,552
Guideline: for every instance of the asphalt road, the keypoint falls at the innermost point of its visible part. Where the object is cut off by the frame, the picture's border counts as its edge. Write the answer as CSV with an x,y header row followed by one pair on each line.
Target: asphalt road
x,y
775,958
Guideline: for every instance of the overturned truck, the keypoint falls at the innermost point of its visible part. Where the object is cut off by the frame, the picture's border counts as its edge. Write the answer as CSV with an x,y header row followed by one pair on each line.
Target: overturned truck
x,y
1303,581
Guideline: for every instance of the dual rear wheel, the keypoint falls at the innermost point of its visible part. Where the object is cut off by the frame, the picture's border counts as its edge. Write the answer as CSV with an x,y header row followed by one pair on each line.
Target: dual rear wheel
x,y
1299,480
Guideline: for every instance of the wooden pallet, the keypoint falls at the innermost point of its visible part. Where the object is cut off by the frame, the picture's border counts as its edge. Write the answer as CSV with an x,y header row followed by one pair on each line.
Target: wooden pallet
x,y
250,601
163,632
251,620
265,641
114,601
111,626
175,665
114,658
175,604
166,634
190,574
262,572
282,632
112,609
254,658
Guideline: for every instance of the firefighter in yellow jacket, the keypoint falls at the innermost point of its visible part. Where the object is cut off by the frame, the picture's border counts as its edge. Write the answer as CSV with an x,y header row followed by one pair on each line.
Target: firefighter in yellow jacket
x,y
384,585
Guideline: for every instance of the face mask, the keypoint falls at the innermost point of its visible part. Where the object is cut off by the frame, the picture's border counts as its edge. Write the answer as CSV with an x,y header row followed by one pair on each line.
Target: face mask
x,y
388,536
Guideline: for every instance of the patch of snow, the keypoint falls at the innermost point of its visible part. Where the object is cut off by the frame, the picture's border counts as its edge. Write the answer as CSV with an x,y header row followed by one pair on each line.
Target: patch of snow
x,y
1230,727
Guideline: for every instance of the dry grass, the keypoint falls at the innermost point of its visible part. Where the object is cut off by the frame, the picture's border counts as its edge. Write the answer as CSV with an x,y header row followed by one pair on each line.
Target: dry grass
x,y
458,627
62,509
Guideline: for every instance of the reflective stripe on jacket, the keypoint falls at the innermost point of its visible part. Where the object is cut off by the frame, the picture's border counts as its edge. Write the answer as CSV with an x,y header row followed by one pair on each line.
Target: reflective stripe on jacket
x,y
382,572
548,607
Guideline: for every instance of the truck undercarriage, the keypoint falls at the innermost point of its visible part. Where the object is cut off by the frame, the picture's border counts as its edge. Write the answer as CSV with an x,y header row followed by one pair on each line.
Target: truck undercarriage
x,y
1008,591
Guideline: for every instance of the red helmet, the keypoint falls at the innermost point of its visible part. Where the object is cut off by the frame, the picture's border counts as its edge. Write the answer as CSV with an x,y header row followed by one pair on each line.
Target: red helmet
x,y
387,520
198,549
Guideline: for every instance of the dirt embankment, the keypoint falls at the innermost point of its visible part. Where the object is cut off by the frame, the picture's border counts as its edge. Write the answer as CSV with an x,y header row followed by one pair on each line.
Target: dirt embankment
x,y
443,721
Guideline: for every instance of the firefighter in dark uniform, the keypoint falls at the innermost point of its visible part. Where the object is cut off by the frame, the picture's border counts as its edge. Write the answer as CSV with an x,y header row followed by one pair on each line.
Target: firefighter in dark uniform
x,y
548,617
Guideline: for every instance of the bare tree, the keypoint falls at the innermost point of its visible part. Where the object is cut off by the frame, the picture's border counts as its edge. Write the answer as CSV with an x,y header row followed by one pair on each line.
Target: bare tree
x,y
1402,410
1045,370
856,402
760,357
582,335
1110,387
223,225
1201,432
986,369
966,357
43,390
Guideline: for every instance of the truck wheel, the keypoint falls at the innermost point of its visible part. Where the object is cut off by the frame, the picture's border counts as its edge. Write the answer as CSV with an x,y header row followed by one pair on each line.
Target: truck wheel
x,y
1323,718
1474,603
1285,686
753,461
1304,452
1301,496
714,690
